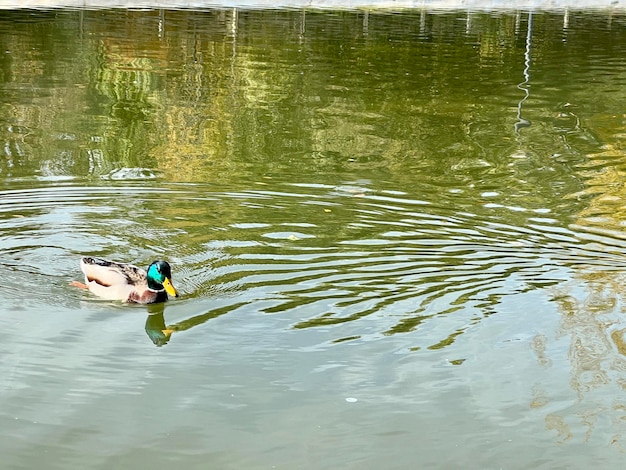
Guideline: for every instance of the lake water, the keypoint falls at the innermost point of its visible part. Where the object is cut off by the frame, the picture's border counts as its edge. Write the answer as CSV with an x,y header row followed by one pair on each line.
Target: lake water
x,y
399,239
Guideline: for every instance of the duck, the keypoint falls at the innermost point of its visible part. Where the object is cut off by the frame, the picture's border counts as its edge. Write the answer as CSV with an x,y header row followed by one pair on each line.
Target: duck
x,y
122,281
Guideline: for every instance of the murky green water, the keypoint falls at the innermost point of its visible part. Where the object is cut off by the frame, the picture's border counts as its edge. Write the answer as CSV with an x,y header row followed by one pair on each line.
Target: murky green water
x,y
399,239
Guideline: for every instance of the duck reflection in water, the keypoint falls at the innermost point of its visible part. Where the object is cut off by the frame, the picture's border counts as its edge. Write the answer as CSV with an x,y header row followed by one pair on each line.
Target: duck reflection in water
x,y
155,325
160,333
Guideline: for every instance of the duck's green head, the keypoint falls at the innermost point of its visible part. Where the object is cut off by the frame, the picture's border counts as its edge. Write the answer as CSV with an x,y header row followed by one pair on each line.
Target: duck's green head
x,y
160,277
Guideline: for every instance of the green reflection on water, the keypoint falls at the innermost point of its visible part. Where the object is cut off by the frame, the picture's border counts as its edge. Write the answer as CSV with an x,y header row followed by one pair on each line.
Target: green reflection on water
x,y
212,96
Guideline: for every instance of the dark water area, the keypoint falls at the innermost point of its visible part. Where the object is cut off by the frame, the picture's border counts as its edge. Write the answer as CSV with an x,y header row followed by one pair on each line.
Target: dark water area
x,y
398,237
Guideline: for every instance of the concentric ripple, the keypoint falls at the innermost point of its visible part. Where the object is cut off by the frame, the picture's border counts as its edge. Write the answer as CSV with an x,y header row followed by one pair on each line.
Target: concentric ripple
x,y
358,262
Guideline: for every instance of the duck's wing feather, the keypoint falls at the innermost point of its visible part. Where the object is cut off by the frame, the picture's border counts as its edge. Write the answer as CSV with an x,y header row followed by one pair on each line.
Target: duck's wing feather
x,y
112,280
109,273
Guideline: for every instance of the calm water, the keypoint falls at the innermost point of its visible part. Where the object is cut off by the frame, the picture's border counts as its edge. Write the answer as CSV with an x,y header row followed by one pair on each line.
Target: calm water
x,y
399,238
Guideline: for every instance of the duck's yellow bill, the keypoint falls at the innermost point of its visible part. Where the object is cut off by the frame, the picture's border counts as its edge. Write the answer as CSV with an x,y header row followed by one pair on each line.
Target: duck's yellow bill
x,y
169,288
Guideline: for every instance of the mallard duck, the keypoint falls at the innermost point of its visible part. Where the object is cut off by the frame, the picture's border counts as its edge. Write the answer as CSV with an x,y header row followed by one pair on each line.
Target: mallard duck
x,y
120,281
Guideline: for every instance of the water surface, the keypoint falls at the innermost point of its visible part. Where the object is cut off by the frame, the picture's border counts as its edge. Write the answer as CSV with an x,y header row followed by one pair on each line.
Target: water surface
x,y
398,238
